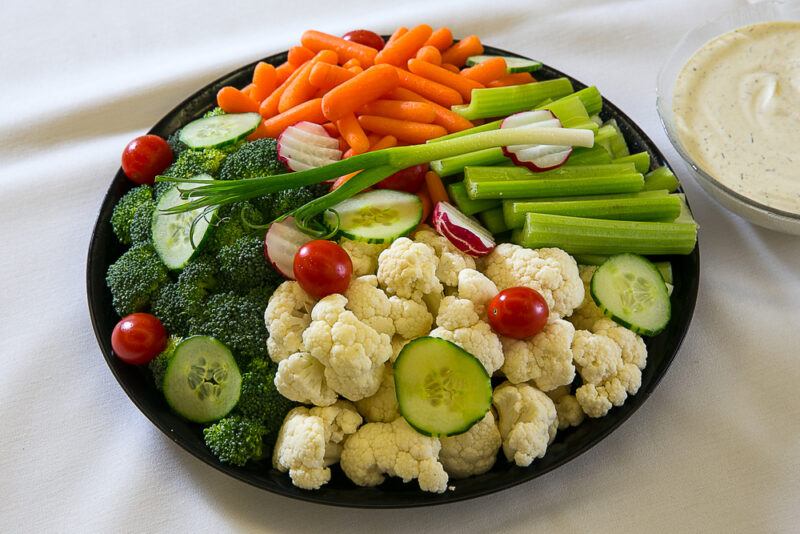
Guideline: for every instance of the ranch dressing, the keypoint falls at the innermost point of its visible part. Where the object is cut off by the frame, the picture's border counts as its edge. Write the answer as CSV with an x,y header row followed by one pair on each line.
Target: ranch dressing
x,y
737,112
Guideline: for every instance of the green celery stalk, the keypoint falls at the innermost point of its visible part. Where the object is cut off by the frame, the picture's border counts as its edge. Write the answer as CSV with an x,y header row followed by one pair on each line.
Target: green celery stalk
x,y
503,101
641,161
618,147
577,235
552,187
686,213
493,220
590,98
664,207
455,165
569,110
468,206
514,173
597,155
661,178
665,268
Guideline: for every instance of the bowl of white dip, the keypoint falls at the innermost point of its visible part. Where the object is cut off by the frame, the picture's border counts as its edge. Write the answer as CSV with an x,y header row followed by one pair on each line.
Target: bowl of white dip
x,y
729,100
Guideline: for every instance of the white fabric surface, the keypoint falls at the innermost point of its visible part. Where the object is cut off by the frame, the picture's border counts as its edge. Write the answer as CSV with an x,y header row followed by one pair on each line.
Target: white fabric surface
x,y
715,449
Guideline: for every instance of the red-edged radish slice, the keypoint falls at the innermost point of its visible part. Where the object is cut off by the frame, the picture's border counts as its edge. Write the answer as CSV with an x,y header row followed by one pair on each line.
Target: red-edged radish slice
x,y
537,158
466,234
307,146
281,243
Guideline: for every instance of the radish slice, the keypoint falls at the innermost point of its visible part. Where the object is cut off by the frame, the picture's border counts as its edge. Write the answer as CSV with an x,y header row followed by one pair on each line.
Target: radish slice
x,y
537,158
307,146
463,232
281,243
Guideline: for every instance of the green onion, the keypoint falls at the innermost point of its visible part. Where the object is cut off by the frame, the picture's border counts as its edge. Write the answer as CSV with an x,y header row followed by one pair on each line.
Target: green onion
x,y
661,178
503,101
468,206
455,165
578,235
493,220
641,160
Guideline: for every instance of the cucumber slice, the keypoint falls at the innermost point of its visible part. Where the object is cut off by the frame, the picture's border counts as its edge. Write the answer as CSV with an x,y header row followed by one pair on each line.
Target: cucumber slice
x,y
513,64
219,130
173,238
631,290
442,389
202,382
379,216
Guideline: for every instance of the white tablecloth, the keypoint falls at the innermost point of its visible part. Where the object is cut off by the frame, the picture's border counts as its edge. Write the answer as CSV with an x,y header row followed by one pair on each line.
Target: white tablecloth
x,y
716,448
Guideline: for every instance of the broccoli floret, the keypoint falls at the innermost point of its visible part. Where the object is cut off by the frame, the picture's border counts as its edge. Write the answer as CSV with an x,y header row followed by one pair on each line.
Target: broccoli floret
x,y
125,211
193,162
214,112
158,365
256,158
171,307
134,278
177,146
159,188
142,225
259,398
237,321
243,267
198,278
233,224
291,199
235,439
178,304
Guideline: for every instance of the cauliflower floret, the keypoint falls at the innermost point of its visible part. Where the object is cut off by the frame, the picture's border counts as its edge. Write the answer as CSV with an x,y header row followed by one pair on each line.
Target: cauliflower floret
x,y
408,269
550,271
545,358
286,317
382,406
585,315
310,440
370,304
567,408
474,451
451,260
634,350
459,323
456,313
352,352
363,255
411,318
528,421
301,378
476,287
393,449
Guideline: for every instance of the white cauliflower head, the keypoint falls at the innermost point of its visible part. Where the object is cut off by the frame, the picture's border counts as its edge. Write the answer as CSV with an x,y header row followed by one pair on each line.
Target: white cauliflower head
x,y
370,304
382,406
394,449
527,421
459,323
550,271
477,288
411,318
301,378
363,255
310,440
568,409
545,358
408,269
473,452
451,260
352,352
286,317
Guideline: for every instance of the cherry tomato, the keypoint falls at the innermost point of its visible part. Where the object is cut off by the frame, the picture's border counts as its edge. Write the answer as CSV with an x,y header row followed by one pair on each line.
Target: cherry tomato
x,y
145,158
138,338
366,38
322,268
518,312
408,180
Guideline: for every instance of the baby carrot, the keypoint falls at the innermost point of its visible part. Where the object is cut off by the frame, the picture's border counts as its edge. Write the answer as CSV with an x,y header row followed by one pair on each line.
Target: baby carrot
x,y
355,69
264,81
353,133
351,63
517,78
404,47
397,109
459,52
233,100
399,32
441,39
487,71
299,55
310,111
283,71
452,68
463,85
450,120
387,141
354,93
260,133
427,205
325,76
269,106
248,90
430,54
331,128
317,41
435,188
412,132
300,89
436,92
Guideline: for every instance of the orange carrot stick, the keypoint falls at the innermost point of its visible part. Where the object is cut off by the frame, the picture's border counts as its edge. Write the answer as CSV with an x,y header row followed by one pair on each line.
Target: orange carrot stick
x,y
452,68
459,52
412,132
310,111
427,205
299,55
387,141
430,54
353,133
325,76
331,128
283,71
436,92
269,106
450,120
264,80
233,100
404,47
351,63
463,85
354,93
487,71
397,109
442,39
399,32
300,89
517,78
435,188
318,41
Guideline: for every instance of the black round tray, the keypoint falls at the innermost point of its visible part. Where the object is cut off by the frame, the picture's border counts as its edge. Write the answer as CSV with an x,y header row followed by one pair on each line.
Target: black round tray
x,y
137,383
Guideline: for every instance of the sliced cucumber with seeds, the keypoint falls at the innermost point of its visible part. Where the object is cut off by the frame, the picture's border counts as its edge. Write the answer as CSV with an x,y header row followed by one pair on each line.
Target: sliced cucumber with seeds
x,y
379,216
513,64
202,381
631,290
175,239
219,130
442,389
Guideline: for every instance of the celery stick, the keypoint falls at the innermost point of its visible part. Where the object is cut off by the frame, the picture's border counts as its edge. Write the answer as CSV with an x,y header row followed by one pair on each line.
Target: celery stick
x,y
597,155
551,187
617,144
686,213
514,173
597,120
590,259
661,178
665,268
455,165
641,160
569,110
502,101
664,207
458,194
578,235
590,98
493,220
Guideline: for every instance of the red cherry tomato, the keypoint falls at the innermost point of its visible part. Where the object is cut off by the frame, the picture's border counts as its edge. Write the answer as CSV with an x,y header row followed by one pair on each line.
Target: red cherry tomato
x,y
408,180
518,312
366,38
145,158
138,338
322,268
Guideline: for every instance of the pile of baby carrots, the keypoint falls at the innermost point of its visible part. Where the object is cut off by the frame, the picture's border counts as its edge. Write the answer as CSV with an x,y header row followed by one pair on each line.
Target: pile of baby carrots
x,y
370,99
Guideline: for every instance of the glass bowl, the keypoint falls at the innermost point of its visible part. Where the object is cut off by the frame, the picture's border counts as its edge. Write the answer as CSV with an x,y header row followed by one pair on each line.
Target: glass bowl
x,y
743,206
